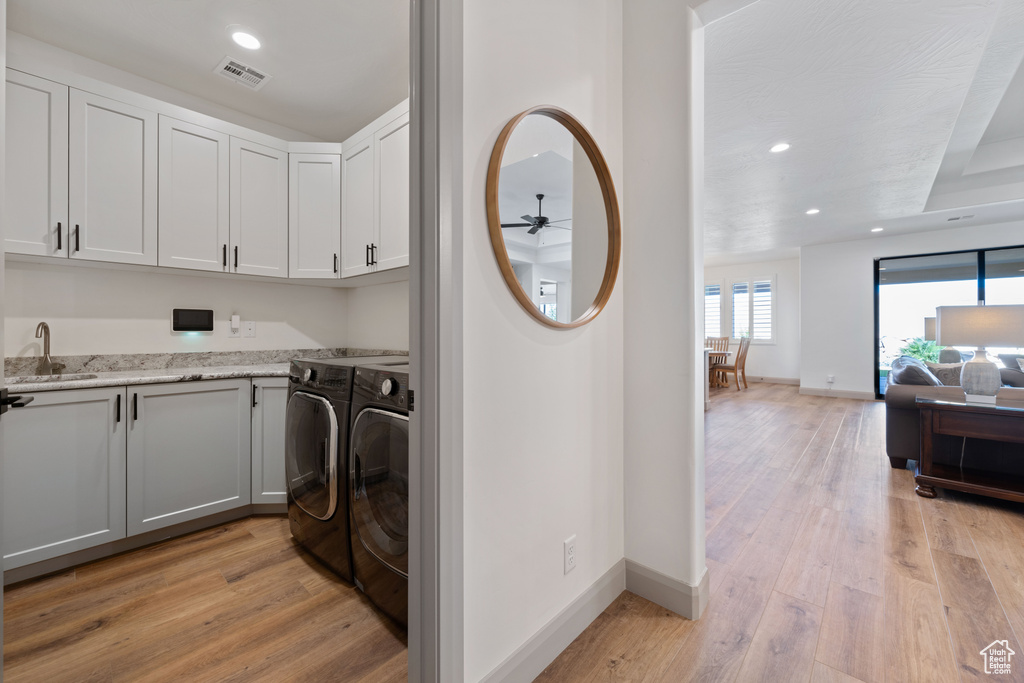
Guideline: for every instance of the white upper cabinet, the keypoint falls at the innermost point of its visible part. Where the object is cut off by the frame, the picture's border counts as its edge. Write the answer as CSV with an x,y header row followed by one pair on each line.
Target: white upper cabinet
x,y
357,206
314,220
391,145
194,196
375,195
112,193
37,166
259,209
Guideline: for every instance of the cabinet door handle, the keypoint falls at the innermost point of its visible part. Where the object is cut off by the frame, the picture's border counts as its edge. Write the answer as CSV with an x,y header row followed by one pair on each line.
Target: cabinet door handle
x,y
373,254
367,254
236,257
60,233
117,409
224,256
335,263
76,237
135,407
254,404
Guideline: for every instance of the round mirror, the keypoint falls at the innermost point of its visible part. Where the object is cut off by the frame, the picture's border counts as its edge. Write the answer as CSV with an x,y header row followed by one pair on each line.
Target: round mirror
x,y
553,217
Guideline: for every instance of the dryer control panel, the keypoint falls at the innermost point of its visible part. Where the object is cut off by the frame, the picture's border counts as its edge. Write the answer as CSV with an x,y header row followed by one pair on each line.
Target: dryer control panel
x,y
384,386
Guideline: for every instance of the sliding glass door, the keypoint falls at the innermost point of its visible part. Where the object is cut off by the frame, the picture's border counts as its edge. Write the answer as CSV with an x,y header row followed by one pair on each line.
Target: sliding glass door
x,y
908,289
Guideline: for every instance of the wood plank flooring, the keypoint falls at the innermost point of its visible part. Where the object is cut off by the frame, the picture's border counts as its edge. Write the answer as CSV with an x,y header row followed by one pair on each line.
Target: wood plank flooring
x,y
239,602
825,565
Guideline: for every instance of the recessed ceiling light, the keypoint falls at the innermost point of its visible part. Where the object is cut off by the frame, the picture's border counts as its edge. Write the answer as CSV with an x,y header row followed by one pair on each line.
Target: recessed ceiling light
x,y
882,268
877,229
781,147
811,212
245,37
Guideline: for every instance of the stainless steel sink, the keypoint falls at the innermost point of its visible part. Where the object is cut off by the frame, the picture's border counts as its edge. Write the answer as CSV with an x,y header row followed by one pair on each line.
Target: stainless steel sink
x,y
31,379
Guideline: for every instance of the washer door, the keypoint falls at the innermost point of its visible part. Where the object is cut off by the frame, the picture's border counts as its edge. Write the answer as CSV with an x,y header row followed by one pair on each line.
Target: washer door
x,y
379,477
311,454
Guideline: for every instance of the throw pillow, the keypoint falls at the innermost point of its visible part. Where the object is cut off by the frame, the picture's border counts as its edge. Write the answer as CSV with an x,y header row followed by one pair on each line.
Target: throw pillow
x,y
1020,362
948,373
1011,377
1010,359
907,370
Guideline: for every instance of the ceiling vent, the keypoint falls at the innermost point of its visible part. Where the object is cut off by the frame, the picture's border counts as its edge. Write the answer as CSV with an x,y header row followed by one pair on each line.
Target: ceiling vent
x,y
242,73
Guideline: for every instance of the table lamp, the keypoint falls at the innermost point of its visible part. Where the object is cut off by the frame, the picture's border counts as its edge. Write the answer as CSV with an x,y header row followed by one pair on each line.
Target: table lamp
x,y
980,326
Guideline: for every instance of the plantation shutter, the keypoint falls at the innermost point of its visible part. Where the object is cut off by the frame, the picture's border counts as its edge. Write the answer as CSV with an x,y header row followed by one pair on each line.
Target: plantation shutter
x,y
740,310
761,312
712,310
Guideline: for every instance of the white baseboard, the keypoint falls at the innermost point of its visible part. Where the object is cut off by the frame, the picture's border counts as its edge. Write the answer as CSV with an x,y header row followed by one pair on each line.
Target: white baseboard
x,y
839,393
527,662
775,380
672,594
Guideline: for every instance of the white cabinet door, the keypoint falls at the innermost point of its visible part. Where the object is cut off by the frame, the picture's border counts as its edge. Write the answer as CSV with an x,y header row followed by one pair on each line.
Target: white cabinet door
x,y
259,209
392,152
64,474
314,221
357,207
37,166
188,451
270,397
112,193
194,196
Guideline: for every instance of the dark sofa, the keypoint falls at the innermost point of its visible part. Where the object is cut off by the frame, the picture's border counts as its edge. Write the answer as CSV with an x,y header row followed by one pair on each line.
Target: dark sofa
x,y
912,379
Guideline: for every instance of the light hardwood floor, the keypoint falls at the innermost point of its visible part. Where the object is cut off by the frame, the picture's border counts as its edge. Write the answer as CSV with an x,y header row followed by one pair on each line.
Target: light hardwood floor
x,y
240,602
825,565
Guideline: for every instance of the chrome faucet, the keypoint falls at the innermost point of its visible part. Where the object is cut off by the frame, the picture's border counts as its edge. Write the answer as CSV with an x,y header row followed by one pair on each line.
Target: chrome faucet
x,y
46,365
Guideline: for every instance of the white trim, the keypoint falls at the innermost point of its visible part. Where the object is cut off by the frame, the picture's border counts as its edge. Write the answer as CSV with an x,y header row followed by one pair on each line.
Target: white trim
x,y
436,614
672,594
838,393
776,380
533,656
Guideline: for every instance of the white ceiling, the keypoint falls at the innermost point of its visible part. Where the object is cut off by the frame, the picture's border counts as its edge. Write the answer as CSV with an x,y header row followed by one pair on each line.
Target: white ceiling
x,y
335,64
901,115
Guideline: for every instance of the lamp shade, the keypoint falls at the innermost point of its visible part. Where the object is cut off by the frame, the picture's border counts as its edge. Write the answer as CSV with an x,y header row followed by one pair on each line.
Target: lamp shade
x,y
929,329
980,326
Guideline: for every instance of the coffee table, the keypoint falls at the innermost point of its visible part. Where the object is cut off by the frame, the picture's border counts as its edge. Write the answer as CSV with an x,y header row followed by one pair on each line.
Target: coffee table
x,y
997,433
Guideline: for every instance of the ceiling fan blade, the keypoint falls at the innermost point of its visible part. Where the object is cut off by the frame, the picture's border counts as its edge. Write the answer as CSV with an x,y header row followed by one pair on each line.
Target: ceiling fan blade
x,y
560,220
528,217
560,227
515,225
534,229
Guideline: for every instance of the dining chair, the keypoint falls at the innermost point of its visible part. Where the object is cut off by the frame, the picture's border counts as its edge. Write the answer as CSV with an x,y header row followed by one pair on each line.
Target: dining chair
x,y
739,368
720,345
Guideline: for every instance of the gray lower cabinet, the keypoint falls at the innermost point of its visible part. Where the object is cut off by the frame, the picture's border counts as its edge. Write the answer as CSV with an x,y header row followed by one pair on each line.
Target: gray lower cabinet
x,y
64,474
188,451
270,399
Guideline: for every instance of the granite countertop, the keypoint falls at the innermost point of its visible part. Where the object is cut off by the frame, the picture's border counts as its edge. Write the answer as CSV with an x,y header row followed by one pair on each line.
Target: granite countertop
x,y
34,383
86,372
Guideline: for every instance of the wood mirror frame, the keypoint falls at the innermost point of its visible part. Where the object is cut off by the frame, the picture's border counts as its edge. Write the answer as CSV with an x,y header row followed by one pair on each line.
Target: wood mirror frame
x,y
611,205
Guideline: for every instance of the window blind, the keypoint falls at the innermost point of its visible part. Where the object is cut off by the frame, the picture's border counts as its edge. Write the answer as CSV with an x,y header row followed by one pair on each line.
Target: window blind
x,y
712,310
740,310
761,311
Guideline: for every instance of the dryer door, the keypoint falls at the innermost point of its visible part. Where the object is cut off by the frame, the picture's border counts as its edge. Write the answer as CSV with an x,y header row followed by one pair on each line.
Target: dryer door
x,y
379,478
311,454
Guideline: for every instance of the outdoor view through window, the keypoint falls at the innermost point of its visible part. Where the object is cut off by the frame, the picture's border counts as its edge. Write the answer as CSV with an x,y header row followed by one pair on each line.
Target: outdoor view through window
x,y
911,288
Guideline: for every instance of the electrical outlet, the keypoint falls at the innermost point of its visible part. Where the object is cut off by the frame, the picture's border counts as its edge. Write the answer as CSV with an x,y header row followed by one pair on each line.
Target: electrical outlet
x,y
249,328
569,549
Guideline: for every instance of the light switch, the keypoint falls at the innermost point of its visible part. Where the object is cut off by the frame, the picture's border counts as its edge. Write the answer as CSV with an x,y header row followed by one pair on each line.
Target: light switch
x,y
249,328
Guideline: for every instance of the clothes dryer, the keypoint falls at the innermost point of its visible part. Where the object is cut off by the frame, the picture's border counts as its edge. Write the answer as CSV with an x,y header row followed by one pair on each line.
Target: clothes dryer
x,y
316,443
379,486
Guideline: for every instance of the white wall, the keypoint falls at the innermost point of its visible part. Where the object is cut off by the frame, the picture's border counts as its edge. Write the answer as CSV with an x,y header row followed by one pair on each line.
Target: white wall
x,y
105,311
542,446
837,298
378,317
781,359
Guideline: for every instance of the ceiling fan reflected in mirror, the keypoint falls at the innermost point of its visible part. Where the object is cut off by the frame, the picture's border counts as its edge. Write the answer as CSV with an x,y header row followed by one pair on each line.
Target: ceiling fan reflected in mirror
x,y
539,221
